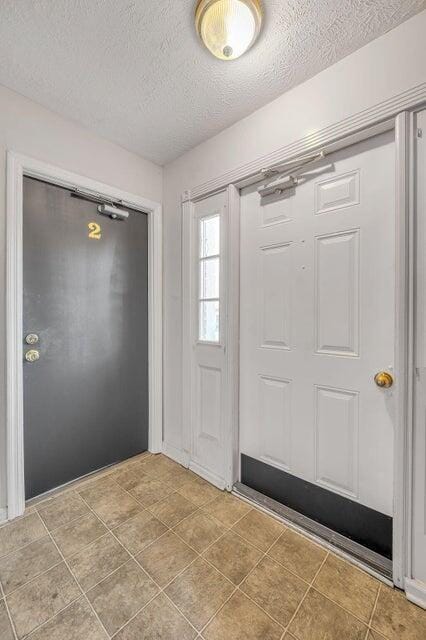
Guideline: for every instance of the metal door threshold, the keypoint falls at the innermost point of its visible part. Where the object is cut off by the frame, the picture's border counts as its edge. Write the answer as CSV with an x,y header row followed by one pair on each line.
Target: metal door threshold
x,y
372,560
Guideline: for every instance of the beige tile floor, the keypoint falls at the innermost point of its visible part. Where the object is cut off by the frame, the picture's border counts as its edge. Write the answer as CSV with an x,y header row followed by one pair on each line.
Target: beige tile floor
x,y
147,551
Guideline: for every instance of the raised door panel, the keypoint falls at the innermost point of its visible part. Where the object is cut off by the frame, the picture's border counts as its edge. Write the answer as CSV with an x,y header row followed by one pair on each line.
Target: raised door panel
x,y
209,394
275,420
275,303
273,213
338,192
336,439
337,293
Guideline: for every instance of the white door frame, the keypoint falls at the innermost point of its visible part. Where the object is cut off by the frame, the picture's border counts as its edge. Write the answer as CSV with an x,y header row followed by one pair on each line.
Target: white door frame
x,y
393,113
19,166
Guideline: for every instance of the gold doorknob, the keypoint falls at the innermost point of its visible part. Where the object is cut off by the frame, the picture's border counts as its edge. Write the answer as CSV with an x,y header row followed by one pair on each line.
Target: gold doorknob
x,y
32,355
383,379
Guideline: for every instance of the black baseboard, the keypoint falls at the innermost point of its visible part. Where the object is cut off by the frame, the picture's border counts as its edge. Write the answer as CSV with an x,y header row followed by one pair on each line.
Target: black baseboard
x,y
361,524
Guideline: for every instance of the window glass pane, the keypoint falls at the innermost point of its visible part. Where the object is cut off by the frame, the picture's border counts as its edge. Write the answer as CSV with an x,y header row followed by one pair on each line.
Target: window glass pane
x,y
209,278
209,321
209,236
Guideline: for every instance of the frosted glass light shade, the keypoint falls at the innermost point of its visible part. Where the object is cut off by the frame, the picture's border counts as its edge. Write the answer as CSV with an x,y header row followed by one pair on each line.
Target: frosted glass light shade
x,y
228,28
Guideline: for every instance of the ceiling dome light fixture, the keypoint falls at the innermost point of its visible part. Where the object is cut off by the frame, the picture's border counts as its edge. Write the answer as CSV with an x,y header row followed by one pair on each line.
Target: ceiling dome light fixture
x,y
228,28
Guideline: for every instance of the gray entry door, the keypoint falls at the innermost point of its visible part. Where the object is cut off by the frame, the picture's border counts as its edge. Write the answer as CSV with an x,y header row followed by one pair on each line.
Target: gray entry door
x,y
85,280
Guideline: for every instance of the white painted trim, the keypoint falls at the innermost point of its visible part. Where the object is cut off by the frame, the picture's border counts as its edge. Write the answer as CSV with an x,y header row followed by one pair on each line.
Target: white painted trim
x,y
155,328
404,324
18,166
416,562
14,351
187,324
416,592
179,456
232,342
348,126
3,515
207,475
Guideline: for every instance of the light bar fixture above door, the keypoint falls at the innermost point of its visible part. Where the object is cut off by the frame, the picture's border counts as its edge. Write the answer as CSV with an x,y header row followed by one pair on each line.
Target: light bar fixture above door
x,y
228,28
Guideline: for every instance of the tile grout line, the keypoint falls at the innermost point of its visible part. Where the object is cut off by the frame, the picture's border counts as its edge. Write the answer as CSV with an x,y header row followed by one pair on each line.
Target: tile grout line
x,y
370,624
228,529
197,557
36,577
27,635
27,544
311,584
94,477
63,560
287,628
12,624
46,533
198,509
163,589
169,530
65,523
237,587
24,546
327,597
311,537
79,585
338,604
109,530
30,633
140,502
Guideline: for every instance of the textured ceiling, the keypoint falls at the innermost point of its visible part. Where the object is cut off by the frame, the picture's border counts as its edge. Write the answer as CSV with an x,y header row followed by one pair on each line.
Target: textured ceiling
x,y
135,72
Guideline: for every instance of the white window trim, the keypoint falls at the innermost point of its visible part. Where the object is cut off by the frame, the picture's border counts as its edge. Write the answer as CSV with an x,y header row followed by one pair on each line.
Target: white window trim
x,y
17,166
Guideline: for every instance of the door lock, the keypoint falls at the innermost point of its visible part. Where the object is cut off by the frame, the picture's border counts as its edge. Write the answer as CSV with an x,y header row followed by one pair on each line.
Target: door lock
x,y
31,338
32,355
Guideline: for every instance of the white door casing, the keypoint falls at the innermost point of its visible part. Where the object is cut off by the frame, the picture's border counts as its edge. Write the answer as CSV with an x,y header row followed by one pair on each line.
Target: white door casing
x,y
388,115
17,166
317,313
419,448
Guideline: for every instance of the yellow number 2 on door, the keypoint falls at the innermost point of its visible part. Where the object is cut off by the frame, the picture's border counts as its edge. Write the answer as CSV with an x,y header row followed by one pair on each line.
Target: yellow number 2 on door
x,y
94,231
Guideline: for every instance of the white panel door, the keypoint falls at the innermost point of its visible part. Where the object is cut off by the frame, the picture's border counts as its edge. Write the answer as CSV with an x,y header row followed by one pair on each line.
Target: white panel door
x,y
317,315
208,375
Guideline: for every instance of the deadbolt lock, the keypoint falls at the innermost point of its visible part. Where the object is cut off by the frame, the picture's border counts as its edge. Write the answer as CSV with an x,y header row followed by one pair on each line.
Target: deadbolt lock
x,y
31,338
383,379
32,355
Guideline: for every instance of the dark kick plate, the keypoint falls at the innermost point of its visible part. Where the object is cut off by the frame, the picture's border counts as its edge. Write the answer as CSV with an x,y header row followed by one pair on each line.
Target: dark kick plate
x,y
361,524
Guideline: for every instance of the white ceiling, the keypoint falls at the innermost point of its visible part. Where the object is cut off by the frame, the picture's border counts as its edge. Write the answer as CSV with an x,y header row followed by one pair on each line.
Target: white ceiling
x,y
134,71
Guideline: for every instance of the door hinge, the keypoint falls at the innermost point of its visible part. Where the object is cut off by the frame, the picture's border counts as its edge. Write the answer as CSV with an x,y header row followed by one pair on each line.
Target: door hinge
x,y
419,133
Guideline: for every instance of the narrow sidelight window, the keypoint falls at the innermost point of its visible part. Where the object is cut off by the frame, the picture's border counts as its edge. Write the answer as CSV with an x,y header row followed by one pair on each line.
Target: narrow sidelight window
x,y
209,275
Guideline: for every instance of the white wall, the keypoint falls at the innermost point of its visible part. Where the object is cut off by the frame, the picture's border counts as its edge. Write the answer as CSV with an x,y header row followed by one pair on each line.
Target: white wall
x,y
28,128
385,67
